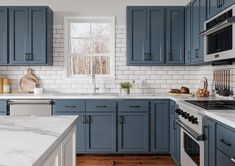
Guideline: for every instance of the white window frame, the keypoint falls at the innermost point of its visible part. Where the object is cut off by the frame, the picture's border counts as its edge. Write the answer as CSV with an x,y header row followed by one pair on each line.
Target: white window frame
x,y
67,21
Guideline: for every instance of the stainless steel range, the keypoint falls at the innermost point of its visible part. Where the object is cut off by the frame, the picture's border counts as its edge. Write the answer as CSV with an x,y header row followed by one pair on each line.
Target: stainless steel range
x,y
191,121
192,135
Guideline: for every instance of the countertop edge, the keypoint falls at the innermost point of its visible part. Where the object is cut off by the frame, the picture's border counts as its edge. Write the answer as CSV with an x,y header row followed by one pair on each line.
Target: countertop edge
x,y
53,146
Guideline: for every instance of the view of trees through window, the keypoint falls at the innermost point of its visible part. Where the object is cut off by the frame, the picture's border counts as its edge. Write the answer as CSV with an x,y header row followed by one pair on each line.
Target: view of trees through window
x,y
90,42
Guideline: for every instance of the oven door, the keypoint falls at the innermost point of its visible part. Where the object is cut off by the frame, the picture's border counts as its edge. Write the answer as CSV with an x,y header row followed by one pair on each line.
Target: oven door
x,y
192,150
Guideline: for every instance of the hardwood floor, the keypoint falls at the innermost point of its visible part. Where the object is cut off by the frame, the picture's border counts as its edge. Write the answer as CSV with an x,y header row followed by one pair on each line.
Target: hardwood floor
x,y
124,160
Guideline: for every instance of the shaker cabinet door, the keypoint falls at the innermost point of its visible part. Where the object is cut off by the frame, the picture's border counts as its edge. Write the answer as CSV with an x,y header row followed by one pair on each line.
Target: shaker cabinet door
x,y
3,35
133,132
101,132
175,35
37,35
136,34
18,35
160,126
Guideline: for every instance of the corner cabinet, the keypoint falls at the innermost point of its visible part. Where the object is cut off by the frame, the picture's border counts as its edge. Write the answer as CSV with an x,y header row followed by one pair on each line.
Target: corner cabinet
x,y
160,126
145,35
28,40
149,30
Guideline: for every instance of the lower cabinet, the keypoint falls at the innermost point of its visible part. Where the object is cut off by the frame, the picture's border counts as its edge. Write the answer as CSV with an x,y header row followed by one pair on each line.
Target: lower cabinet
x,y
219,144
3,107
101,132
133,132
160,126
174,134
122,126
210,146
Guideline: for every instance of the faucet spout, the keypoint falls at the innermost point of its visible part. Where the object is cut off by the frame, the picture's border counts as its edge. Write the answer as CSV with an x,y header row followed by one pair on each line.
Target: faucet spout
x,y
93,78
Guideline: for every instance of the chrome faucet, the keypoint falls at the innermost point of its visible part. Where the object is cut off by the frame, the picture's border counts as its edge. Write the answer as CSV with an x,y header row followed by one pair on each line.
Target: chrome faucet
x,y
94,88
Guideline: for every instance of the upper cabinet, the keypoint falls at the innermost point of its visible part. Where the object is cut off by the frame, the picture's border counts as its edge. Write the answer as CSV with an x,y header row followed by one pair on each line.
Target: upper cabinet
x,y
198,16
3,34
188,34
175,35
29,39
216,6
149,30
145,35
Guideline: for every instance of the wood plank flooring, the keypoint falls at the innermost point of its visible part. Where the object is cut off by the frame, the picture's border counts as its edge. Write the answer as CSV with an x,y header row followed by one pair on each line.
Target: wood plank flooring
x,y
124,160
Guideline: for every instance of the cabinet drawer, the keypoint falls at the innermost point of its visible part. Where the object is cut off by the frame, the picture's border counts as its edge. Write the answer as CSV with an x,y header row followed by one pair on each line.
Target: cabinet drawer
x,y
100,105
133,105
222,159
225,140
69,106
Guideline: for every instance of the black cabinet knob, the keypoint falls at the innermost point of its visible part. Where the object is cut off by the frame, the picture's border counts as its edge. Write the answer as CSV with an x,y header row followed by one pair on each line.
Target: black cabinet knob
x,y
179,111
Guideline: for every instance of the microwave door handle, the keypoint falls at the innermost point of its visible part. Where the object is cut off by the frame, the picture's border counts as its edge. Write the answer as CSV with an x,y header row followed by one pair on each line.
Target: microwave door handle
x,y
190,131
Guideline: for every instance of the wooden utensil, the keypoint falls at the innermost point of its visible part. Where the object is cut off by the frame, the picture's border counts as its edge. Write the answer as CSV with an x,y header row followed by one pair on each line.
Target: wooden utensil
x,y
28,82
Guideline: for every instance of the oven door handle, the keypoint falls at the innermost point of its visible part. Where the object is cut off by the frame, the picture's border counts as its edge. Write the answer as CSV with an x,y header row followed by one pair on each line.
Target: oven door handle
x,y
195,135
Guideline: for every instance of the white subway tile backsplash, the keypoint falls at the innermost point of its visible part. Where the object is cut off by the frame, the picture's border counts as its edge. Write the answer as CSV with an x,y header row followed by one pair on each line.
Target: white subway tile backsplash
x,y
148,79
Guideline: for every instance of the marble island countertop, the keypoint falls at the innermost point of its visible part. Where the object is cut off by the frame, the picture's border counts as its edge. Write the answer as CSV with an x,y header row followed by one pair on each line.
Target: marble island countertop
x,y
26,141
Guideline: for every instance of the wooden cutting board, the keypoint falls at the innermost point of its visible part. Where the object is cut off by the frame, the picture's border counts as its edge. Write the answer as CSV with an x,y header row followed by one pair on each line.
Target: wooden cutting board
x,y
180,94
28,82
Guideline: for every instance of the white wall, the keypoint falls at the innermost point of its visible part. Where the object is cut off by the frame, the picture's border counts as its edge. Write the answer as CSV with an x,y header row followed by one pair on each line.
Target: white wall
x,y
91,7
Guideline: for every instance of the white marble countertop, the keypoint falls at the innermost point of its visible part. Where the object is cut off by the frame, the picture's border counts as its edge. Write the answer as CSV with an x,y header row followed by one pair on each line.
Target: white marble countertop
x,y
26,141
223,116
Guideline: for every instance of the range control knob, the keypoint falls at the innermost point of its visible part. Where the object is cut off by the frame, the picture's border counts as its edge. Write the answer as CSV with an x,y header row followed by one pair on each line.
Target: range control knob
x,y
185,115
191,118
179,111
194,121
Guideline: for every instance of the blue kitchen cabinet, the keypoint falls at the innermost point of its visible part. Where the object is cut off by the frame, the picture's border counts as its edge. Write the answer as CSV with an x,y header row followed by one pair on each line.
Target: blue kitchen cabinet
x,y
133,131
174,134
133,126
30,35
223,159
18,35
198,16
4,35
216,6
210,145
3,107
160,126
175,35
101,132
74,107
145,35
188,34
96,127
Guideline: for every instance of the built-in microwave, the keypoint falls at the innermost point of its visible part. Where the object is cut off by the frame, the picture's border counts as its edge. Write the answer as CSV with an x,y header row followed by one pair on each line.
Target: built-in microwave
x,y
219,36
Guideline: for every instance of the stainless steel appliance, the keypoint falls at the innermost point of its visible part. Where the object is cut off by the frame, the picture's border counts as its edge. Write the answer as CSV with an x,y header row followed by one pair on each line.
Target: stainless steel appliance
x,y
30,107
191,136
219,36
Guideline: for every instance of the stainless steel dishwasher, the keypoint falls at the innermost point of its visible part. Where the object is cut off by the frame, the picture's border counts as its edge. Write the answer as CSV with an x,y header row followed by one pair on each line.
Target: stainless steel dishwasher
x,y
30,107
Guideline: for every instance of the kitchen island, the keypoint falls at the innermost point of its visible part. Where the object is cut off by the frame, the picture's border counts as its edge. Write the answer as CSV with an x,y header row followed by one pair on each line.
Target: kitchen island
x,y
27,141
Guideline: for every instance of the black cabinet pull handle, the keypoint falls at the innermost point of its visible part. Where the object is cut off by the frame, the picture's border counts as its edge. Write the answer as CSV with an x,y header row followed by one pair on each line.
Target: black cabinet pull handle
x,y
101,106
134,106
188,55
70,106
30,56
84,119
26,56
121,120
197,53
225,142
88,119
